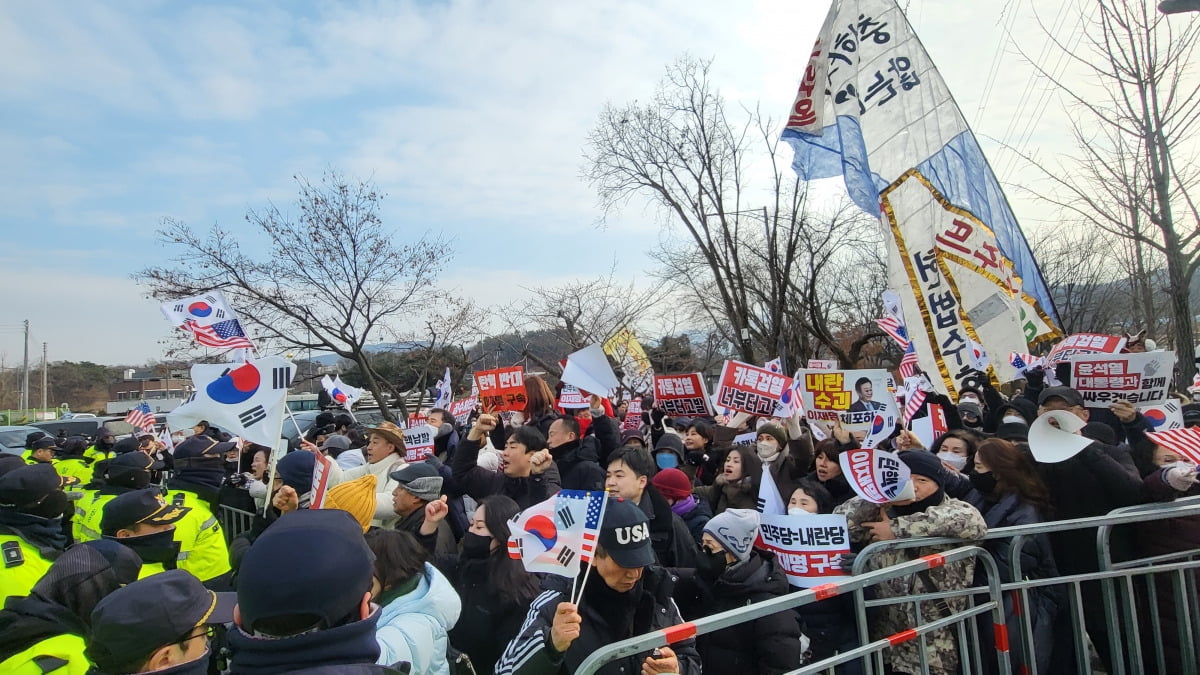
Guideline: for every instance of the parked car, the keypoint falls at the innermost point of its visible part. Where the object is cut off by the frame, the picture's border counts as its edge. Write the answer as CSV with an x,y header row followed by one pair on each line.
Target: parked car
x,y
306,419
13,438
86,426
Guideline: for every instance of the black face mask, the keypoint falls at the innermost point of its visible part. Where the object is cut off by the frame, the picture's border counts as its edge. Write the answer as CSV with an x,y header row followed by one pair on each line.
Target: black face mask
x,y
712,565
985,483
476,545
159,547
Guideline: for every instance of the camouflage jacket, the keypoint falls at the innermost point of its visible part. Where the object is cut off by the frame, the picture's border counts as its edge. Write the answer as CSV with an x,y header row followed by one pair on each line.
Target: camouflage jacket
x,y
951,518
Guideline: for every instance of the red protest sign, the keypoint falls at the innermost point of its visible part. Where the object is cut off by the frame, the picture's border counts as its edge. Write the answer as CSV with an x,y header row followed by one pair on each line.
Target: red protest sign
x,y
501,389
633,415
750,388
1085,343
320,481
682,395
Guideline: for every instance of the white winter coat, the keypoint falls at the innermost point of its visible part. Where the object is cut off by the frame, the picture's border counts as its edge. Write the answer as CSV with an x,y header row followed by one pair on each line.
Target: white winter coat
x,y
414,626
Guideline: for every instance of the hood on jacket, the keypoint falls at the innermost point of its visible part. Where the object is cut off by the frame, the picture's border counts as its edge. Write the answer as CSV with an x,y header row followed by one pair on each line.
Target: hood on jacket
x,y
433,597
755,575
1022,406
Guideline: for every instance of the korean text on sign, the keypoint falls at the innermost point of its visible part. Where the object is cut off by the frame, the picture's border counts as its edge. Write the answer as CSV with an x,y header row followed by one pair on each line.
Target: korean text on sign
x,y
1142,379
751,389
808,548
502,389
681,395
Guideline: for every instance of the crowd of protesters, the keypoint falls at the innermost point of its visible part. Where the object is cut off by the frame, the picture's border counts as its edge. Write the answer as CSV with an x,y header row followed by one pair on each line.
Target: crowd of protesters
x,y
115,559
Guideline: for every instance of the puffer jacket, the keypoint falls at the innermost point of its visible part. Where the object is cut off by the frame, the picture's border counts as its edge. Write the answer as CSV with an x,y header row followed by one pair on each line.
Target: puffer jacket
x,y
950,518
768,645
413,627
722,495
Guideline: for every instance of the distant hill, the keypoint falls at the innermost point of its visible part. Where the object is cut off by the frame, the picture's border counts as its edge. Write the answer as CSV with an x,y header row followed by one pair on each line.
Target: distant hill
x,y
382,347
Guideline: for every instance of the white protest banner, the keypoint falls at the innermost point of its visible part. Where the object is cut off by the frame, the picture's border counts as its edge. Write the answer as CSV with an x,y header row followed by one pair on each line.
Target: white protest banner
x,y
876,475
859,398
809,548
588,369
822,364
245,399
751,389
1085,343
932,426
682,395
1164,417
320,481
1142,379
418,442
571,398
748,438
633,415
1054,437
872,108
770,502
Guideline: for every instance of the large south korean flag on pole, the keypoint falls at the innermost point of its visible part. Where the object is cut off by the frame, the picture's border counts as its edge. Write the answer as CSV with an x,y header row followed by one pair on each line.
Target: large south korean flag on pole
x,y
246,399
873,109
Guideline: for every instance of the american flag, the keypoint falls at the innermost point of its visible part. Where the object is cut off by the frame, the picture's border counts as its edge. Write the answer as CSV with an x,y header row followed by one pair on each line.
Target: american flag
x,y
141,417
223,335
1184,441
895,328
908,362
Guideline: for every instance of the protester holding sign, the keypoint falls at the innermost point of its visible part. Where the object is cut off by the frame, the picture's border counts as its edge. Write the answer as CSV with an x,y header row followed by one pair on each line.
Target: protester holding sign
x,y
930,514
734,574
624,594
1092,482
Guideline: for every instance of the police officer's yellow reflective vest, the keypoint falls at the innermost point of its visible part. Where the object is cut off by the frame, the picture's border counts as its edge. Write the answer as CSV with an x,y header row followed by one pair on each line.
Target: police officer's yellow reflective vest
x,y
75,467
148,569
28,457
203,550
60,655
22,567
89,511
96,454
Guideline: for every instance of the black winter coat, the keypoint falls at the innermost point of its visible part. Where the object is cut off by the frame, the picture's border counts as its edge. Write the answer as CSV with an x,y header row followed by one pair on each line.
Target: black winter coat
x,y
578,464
768,645
487,622
673,543
479,483
604,622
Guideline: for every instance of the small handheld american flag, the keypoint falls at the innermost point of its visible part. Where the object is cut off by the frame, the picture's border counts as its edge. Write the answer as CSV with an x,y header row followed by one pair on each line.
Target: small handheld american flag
x,y
141,417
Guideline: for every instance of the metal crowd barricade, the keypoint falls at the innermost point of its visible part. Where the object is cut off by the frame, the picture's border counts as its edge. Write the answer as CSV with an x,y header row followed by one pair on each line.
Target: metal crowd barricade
x,y
234,521
1122,582
962,621
1117,581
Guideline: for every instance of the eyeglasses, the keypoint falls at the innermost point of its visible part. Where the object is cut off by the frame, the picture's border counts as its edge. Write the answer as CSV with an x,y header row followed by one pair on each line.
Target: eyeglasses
x,y
206,633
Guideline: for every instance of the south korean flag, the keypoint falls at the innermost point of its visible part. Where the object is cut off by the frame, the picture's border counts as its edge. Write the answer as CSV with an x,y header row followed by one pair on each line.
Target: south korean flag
x,y
246,399
202,310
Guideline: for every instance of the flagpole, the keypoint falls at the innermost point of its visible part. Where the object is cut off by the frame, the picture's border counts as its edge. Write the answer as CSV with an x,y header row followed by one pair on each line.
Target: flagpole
x,y
576,600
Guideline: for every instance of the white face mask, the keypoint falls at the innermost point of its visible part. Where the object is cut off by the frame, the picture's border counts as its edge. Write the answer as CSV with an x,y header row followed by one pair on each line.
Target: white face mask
x,y
766,451
516,420
970,398
953,459
797,511
1013,419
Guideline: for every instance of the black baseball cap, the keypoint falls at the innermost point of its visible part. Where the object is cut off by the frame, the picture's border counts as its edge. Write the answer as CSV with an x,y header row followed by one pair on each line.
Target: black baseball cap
x,y
26,486
139,507
1067,394
328,585
201,450
43,443
132,622
625,534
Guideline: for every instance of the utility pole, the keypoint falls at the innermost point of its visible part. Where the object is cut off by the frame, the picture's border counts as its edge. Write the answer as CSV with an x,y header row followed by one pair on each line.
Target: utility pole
x,y
45,378
25,374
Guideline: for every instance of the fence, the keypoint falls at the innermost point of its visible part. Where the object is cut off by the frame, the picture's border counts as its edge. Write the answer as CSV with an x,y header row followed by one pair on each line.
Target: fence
x,y
1128,589
234,521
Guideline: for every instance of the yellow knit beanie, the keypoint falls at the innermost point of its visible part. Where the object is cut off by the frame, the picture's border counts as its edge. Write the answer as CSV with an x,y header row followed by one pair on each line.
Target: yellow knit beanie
x,y
356,497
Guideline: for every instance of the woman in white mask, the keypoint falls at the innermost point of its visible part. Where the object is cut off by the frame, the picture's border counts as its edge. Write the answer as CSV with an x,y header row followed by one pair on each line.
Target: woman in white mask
x,y
955,448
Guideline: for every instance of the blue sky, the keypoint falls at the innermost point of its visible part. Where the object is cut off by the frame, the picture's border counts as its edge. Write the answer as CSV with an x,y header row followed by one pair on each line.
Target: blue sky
x,y
471,116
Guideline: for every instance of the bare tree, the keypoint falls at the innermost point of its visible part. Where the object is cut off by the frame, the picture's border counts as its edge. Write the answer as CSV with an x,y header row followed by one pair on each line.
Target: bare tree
x,y
579,313
1083,273
1134,173
758,271
330,278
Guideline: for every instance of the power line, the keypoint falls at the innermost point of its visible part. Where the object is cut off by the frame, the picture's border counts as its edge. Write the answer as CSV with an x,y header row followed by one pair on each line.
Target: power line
x,y
1007,17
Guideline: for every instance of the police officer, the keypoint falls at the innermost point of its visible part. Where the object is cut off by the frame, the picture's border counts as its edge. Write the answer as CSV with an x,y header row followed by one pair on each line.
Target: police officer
x,y
199,473
124,473
160,624
41,451
72,462
145,523
44,632
103,447
32,503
